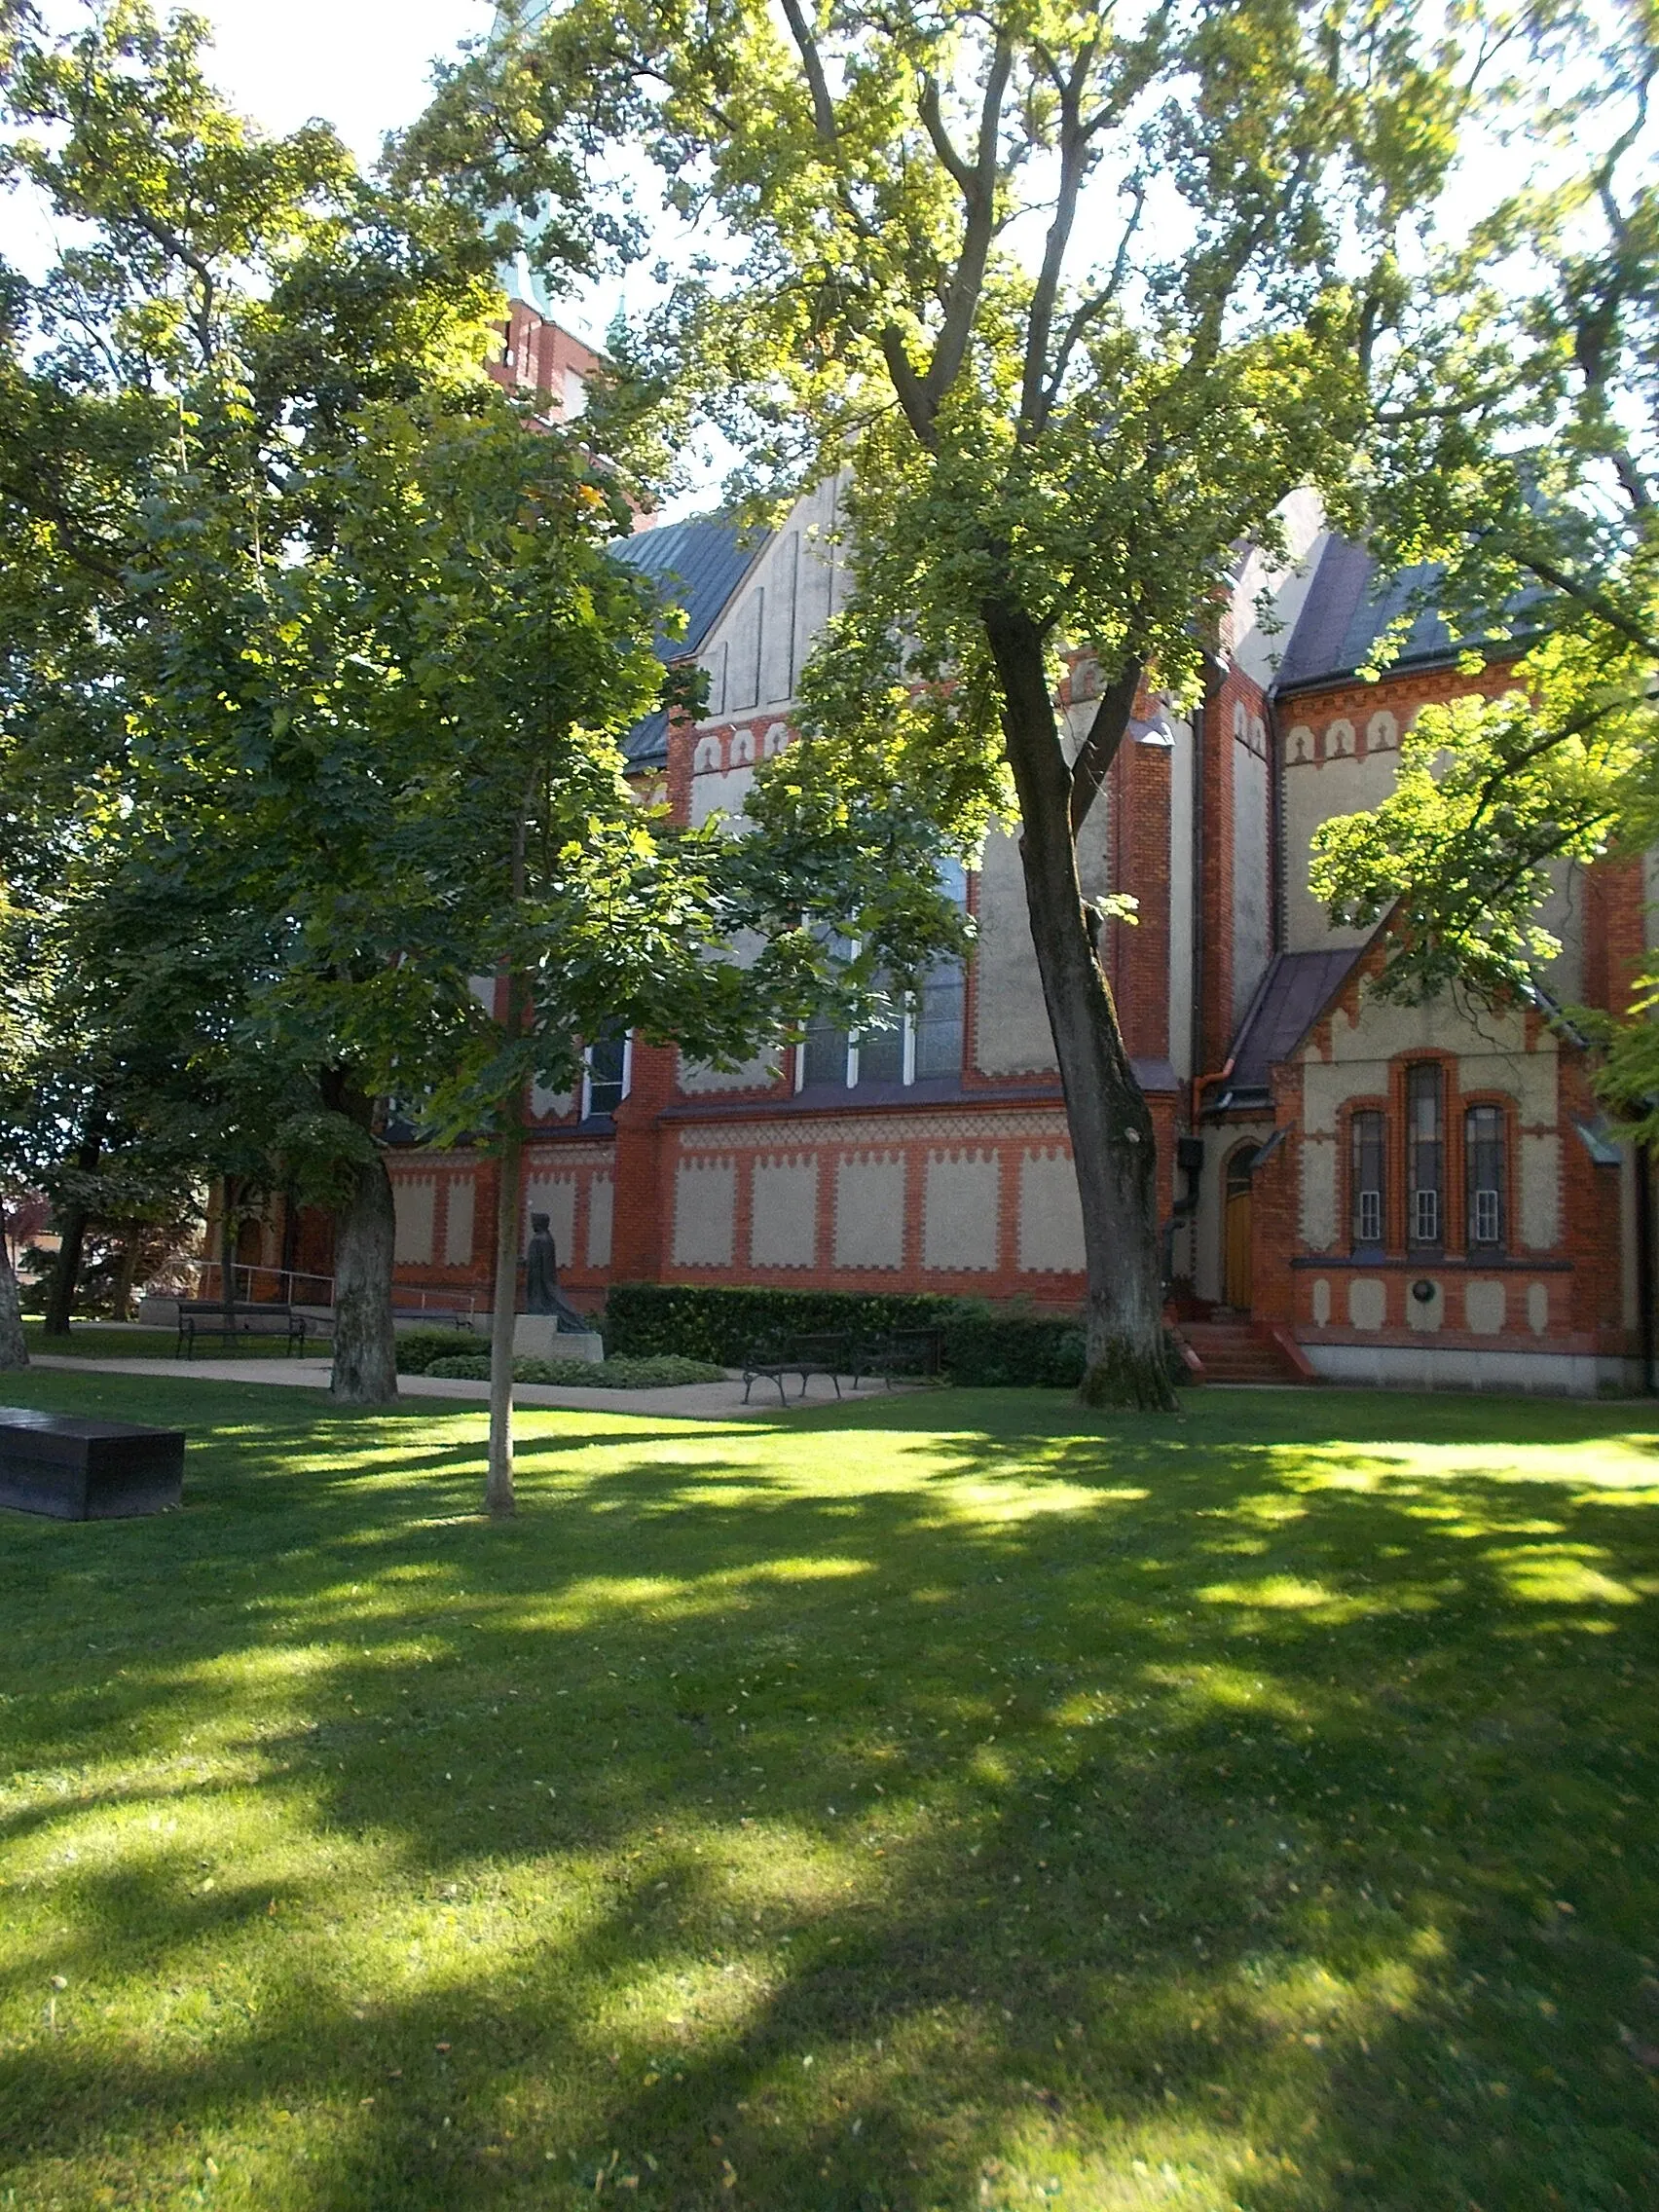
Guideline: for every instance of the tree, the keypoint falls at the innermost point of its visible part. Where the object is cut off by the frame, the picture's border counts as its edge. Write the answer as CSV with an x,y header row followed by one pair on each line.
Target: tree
x,y
177,397
1517,440
350,662
1054,442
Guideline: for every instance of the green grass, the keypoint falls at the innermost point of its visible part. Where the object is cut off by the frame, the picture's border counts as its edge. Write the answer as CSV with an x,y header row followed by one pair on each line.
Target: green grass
x,y
950,1801
88,1340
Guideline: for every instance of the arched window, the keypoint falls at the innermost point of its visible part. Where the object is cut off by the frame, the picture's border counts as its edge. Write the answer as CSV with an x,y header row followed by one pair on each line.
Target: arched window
x,y
1483,1173
1425,1154
1367,1166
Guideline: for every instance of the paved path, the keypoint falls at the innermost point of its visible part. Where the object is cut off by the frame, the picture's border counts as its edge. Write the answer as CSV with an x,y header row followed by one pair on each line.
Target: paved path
x,y
692,1401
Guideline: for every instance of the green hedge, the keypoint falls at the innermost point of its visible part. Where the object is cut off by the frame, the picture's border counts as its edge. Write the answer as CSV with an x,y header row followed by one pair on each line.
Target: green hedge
x,y
583,1374
417,1349
997,1346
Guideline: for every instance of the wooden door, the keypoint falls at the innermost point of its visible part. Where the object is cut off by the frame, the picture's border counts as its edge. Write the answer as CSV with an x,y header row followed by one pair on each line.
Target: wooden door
x,y
1236,1254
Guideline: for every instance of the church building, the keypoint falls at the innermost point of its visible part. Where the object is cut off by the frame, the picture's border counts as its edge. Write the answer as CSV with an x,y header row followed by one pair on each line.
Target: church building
x,y
1351,1188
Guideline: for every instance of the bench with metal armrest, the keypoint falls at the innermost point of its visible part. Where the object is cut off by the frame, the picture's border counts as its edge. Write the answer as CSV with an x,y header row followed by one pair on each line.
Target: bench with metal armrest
x,y
900,1355
804,1356
257,1318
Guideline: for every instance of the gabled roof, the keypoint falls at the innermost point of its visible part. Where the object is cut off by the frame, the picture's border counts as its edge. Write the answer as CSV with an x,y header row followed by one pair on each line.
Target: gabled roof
x,y
1290,998
1349,607
696,564
1350,603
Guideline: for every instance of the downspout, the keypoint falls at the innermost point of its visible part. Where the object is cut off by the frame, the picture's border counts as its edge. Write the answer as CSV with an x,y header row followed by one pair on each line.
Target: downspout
x,y
1644,1285
1195,1009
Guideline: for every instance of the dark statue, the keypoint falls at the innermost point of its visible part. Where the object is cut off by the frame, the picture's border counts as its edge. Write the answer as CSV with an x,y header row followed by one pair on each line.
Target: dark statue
x,y
541,1292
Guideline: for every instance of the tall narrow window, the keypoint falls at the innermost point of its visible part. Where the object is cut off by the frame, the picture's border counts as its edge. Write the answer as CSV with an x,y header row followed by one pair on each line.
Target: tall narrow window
x,y
1483,1166
939,1018
1366,1137
1425,1154
607,1082
881,1052
823,1055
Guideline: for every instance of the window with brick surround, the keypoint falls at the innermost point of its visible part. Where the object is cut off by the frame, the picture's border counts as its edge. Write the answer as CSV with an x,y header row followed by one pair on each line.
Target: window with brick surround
x,y
1426,1156
1367,1169
1484,1176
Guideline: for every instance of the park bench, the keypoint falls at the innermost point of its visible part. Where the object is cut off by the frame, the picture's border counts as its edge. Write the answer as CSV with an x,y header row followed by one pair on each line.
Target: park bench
x,y
900,1355
804,1356
86,1470
209,1318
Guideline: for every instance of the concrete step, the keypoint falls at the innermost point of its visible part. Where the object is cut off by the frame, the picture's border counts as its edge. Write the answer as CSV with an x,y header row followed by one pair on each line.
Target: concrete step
x,y
1232,1351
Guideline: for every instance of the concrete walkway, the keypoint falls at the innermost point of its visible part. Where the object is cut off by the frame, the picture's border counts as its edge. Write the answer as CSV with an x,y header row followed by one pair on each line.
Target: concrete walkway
x,y
691,1401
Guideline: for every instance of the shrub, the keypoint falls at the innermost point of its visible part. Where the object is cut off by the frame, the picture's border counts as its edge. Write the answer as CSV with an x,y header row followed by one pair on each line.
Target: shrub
x,y
1007,1347
660,1374
417,1349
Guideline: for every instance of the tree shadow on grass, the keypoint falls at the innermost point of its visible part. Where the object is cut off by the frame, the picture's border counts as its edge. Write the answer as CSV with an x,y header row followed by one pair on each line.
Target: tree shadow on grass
x,y
842,1813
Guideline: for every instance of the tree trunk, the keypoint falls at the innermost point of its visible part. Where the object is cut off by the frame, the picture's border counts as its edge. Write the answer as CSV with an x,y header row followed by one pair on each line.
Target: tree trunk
x,y
228,1251
14,1347
66,1273
498,1495
365,1234
1111,1130
126,1280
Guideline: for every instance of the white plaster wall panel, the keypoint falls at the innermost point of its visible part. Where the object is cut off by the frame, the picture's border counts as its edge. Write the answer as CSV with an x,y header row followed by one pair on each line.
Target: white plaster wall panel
x,y
1318,1194
1340,742
1010,1035
959,1210
1313,795
1562,913
1183,904
1485,1306
1425,1315
784,1213
1284,581
1540,1193
1321,1301
722,794
458,1223
414,1203
869,1210
546,1103
812,591
714,661
483,990
1539,1308
1368,1303
1529,1078
1250,869
777,635
705,1211
555,1196
1051,1216
743,650
601,1219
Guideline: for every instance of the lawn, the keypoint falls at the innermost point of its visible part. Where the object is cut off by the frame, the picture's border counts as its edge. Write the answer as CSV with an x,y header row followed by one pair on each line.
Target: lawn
x,y
950,1801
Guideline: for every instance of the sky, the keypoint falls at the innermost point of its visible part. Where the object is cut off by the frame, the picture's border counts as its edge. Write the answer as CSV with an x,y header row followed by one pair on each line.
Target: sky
x,y
362,65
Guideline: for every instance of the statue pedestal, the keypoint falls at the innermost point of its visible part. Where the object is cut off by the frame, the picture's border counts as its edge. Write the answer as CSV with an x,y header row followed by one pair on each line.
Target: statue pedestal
x,y
535,1336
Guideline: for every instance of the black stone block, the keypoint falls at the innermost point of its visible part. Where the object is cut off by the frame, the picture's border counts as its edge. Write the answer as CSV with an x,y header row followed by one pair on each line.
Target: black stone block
x,y
86,1470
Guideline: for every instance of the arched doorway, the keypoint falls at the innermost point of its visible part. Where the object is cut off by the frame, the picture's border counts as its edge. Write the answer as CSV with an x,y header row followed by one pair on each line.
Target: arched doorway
x,y
1235,1229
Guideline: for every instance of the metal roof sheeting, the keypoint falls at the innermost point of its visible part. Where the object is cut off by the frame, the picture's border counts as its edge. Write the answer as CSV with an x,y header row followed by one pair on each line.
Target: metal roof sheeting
x,y
696,564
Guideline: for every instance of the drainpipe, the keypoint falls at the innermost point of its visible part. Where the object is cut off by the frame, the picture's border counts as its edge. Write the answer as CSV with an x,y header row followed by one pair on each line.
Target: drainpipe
x,y
1644,1285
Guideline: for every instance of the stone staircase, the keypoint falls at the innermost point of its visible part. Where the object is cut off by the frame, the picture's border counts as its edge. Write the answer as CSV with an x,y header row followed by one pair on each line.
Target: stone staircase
x,y
1231,1350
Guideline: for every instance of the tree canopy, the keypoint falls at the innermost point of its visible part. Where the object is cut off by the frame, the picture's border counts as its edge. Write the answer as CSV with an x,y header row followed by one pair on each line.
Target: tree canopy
x,y
1079,295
